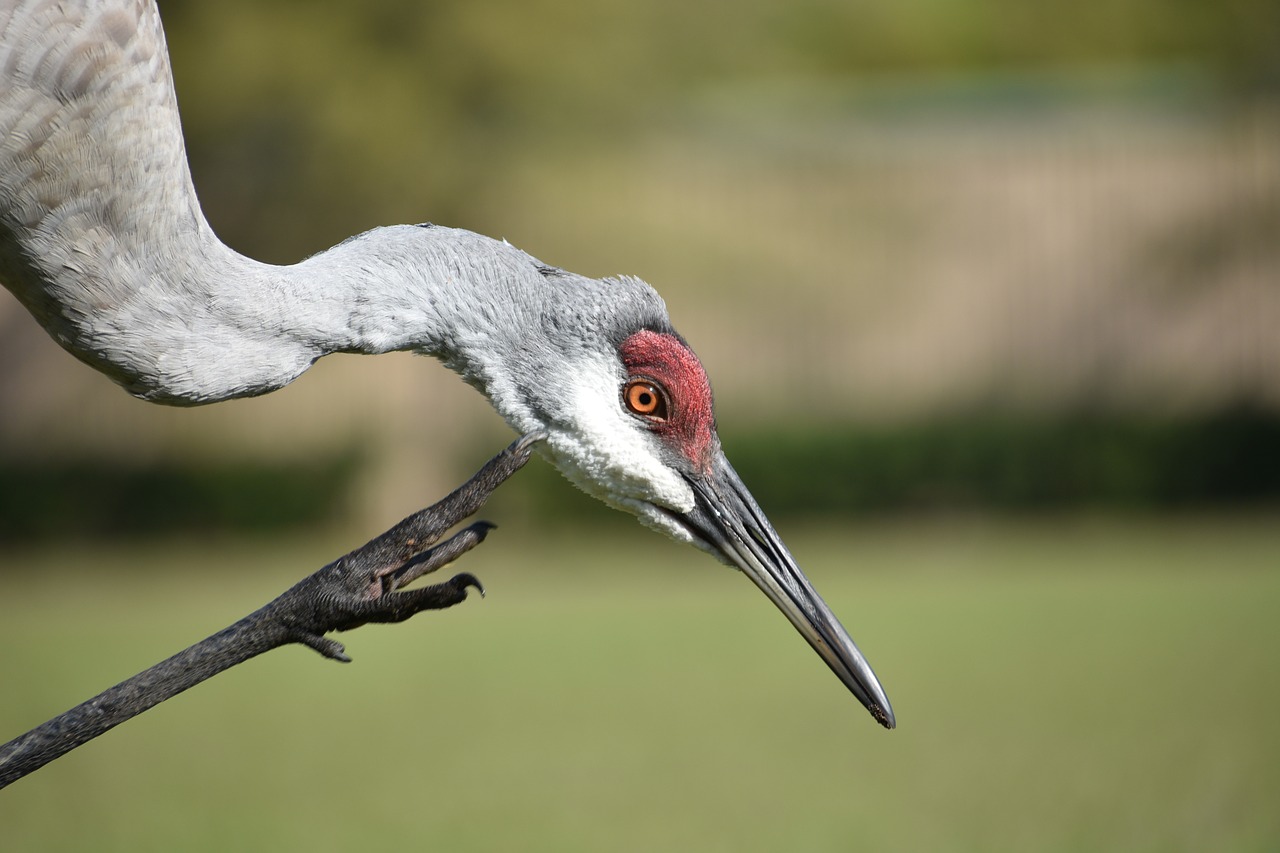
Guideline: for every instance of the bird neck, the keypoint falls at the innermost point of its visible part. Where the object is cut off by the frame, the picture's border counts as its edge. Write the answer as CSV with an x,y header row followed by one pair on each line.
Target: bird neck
x,y
471,301
444,292
405,287
230,326
522,332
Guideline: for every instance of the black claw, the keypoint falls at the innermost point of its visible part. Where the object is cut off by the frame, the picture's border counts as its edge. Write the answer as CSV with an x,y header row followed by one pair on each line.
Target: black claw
x,y
331,649
466,579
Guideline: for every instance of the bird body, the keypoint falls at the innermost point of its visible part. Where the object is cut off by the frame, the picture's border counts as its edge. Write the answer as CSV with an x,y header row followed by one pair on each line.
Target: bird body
x,y
103,240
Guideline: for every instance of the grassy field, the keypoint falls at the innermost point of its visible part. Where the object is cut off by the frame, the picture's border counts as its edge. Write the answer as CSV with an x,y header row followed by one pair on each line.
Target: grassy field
x,y
1060,685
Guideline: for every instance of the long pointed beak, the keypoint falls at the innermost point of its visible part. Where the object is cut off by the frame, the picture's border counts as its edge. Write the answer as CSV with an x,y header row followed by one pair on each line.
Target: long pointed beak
x,y
728,519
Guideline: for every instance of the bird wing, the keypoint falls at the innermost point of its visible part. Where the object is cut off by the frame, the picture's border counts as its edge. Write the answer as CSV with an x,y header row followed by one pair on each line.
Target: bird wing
x,y
98,215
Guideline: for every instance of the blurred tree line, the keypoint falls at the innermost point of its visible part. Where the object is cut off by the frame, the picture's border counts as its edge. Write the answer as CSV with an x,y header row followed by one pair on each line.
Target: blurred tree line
x,y
977,461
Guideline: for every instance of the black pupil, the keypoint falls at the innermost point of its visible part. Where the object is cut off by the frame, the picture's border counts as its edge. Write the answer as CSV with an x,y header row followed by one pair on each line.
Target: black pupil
x,y
645,399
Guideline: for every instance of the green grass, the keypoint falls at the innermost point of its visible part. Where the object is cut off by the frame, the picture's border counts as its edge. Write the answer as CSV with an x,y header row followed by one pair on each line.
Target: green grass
x,y
1069,685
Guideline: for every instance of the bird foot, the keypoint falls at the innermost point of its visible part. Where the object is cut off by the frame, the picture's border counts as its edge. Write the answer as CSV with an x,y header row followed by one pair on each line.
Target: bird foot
x,y
370,583
390,607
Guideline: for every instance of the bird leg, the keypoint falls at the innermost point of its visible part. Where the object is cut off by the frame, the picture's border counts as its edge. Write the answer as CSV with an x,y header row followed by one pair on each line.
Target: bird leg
x,y
366,585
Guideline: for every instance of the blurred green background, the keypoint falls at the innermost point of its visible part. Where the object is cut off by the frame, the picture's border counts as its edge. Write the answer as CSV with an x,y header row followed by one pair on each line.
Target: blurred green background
x,y
989,294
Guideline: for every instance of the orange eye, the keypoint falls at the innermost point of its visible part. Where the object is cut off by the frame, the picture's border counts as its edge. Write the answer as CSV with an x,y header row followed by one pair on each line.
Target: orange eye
x,y
645,397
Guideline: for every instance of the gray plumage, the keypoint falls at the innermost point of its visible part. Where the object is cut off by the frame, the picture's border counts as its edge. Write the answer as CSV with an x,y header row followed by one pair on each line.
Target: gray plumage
x,y
103,240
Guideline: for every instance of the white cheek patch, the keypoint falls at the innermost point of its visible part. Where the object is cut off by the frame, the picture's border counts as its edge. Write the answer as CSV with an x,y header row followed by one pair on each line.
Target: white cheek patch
x,y
612,456
655,519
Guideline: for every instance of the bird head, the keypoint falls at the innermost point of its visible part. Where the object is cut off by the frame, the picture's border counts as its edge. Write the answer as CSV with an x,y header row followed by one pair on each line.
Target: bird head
x,y
630,420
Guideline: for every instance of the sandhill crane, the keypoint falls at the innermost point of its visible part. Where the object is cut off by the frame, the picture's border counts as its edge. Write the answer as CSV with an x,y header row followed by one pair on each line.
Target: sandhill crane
x,y
104,242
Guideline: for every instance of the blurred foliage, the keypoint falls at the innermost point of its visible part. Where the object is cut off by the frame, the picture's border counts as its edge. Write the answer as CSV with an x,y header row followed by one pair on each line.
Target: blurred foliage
x,y
980,462
113,499
1227,459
